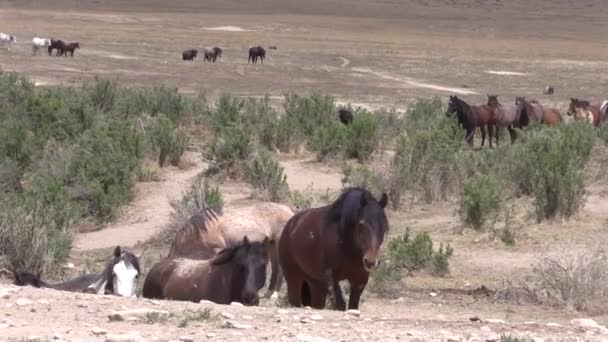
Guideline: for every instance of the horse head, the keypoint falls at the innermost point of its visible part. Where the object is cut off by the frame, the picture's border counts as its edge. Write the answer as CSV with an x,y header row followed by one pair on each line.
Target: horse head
x,y
371,227
120,275
574,104
493,101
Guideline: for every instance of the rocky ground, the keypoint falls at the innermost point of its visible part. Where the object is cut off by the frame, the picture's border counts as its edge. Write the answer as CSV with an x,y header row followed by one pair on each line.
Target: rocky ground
x,y
54,315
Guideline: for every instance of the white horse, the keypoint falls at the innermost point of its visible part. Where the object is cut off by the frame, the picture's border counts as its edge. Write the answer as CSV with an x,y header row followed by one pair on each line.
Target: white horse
x,y
604,110
38,43
7,39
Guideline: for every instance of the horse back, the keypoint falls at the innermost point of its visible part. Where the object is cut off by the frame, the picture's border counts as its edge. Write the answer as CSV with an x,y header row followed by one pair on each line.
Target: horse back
x,y
78,284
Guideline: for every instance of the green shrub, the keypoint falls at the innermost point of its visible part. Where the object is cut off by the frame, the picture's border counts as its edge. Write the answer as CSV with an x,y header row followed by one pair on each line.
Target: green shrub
x,y
480,201
266,174
302,199
309,112
194,200
168,141
362,176
153,101
329,141
362,136
405,253
549,165
229,151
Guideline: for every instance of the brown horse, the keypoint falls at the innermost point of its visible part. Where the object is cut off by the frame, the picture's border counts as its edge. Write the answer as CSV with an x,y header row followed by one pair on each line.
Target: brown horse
x,y
585,111
470,117
212,230
321,246
235,274
507,116
551,116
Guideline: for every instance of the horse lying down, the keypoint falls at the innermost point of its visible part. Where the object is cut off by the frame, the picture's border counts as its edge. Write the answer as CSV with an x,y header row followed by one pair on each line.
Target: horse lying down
x,y
119,277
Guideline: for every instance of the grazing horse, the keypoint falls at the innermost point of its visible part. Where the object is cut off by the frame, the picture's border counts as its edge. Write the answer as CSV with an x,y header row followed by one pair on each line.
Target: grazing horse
x,y
551,116
471,117
55,45
39,43
585,111
119,277
346,116
65,48
255,52
7,40
321,246
212,230
212,53
235,274
189,55
548,90
507,116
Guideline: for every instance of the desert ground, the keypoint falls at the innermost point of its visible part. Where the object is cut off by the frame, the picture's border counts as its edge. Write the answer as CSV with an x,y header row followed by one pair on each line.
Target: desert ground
x,y
372,54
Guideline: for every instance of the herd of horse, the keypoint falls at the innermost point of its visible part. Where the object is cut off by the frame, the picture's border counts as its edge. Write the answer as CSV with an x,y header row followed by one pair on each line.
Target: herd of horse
x,y
222,255
493,115
54,44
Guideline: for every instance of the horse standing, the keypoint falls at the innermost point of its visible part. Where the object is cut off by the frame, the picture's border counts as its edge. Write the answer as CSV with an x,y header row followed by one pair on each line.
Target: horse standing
x,y
189,55
235,274
119,277
39,43
71,47
6,40
56,44
321,246
212,53
507,116
584,110
346,116
255,52
211,230
471,117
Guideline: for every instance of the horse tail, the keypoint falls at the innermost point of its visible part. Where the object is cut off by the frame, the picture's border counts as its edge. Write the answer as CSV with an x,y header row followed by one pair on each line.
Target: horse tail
x,y
23,278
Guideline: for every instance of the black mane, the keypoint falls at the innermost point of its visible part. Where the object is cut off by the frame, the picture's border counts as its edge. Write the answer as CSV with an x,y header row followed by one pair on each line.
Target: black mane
x,y
228,253
345,211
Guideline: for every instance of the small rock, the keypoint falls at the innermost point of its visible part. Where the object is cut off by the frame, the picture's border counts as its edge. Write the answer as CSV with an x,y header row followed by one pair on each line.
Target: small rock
x,y
399,300
4,326
236,304
42,301
124,338
485,328
153,302
307,308
204,301
23,302
186,339
69,331
304,320
99,331
492,320
210,335
227,315
249,318
538,339
34,338
282,311
335,325
57,337
242,326
530,322
316,317
275,295
82,305
8,306
353,312
308,338
585,323
433,294
551,324
69,265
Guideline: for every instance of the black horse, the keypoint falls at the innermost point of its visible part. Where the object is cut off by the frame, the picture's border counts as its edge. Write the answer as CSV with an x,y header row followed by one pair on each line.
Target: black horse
x,y
466,114
255,52
118,277
212,53
65,48
55,45
190,54
346,116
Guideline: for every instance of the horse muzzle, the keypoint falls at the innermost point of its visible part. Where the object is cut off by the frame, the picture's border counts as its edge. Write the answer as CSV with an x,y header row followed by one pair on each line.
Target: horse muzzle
x,y
369,263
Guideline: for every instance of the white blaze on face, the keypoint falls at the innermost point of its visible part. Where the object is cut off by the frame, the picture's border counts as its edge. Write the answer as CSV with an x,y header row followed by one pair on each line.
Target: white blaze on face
x,y
125,279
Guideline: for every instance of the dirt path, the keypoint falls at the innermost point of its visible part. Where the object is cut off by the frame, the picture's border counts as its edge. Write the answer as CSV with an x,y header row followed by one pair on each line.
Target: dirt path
x,y
147,213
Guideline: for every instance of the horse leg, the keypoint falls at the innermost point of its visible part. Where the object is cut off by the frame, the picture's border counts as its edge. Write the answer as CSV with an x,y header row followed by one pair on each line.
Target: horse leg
x,y
469,137
295,287
356,289
490,133
483,134
318,291
339,303
512,134
277,275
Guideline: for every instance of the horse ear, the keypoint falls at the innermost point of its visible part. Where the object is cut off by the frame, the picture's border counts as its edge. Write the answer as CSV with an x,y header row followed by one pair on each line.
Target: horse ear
x,y
117,252
245,240
383,200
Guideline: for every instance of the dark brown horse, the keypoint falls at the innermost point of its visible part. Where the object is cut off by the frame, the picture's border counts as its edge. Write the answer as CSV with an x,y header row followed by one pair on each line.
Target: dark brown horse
x,y
55,45
585,111
321,246
212,54
346,116
189,55
235,274
119,277
255,52
470,117
550,116
71,47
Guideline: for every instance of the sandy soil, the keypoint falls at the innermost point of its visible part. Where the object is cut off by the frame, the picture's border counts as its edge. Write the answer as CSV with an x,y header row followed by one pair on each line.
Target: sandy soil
x,y
370,53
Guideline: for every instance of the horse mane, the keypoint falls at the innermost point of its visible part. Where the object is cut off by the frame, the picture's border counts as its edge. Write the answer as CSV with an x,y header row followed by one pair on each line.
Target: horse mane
x,y
227,254
199,222
344,211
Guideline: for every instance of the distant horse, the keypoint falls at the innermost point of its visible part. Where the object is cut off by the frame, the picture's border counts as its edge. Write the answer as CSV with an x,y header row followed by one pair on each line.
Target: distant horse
x,y
604,110
471,117
189,55
235,274
64,49
321,246
119,277
39,43
346,116
6,40
255,52
507,116
212,53
212,230
551,116
585,111
55,45
548,90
